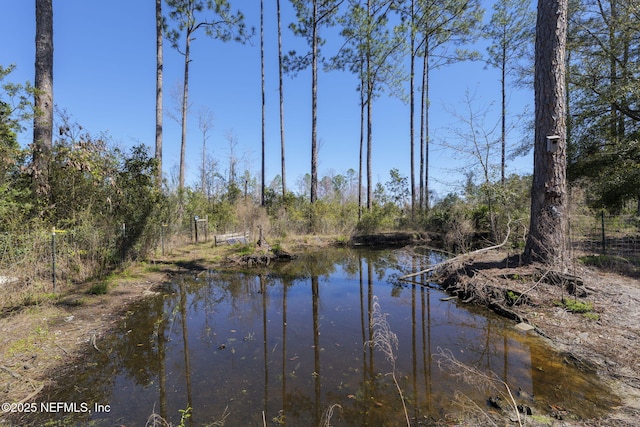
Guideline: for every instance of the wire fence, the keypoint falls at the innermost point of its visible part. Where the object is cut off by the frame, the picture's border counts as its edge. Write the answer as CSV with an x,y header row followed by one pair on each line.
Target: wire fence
x,y
603,234
57,255
50,258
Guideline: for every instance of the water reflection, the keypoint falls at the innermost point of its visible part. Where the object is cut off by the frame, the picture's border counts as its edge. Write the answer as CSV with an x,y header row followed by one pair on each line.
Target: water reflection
x,y
287,345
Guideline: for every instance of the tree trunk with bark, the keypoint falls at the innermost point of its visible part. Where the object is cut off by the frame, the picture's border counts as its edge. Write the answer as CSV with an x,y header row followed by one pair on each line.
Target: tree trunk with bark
x,y
314,105
503,112
547,239
361,151
369,120
369,138
281,91
185,104
43,118
262,174
159,69
412,110
424,130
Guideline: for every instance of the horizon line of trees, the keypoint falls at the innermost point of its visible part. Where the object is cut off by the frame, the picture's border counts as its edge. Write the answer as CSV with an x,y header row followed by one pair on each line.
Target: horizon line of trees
x,y
376,37
584,89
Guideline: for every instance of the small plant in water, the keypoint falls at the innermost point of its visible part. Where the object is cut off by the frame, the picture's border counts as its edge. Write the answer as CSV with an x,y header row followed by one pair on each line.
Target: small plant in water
x,y
280,419
185,414
385,340
156,420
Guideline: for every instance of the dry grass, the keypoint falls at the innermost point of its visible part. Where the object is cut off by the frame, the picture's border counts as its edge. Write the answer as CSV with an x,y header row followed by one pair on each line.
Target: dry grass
x,y
328,414
480,380
386,341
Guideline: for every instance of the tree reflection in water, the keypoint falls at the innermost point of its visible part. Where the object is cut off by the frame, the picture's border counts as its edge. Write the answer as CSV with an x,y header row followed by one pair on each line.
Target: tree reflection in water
x,y
291,342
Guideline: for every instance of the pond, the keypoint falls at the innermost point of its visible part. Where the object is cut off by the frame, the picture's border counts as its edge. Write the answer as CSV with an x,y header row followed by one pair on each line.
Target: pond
x,y
287,347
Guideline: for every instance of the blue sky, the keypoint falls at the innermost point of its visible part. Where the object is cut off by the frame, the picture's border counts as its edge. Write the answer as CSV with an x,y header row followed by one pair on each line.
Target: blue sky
x,y
104,76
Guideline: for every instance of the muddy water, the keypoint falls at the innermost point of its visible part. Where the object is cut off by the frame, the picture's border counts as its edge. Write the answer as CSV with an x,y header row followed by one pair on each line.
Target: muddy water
x,y
286,346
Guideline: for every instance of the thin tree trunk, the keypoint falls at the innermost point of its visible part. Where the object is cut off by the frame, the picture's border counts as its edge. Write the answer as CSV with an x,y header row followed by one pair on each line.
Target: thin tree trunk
x,y
503,133
424,130
281,90
613,70
203,167
159,69
185,96
549,220
411,110
362,110
422,119
43,118
624,77
369,144
624,82
426,136
314,105
567,102
262,186
369,111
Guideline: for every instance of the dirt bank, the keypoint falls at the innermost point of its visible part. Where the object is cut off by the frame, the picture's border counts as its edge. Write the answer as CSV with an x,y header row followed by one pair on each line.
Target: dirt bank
x,y
604,339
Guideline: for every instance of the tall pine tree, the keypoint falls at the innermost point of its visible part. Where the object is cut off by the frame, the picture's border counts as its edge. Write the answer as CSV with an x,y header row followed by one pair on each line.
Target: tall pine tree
x,y
441,27
312,16
219,22
604,74
510,32
43,118
547,239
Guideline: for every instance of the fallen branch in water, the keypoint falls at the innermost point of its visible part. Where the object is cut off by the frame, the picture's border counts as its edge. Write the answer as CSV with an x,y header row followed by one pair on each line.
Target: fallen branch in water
x,y
459,257
426,285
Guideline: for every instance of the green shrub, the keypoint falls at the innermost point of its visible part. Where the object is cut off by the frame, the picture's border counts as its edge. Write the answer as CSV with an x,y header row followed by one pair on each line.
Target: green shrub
x,y
100,288
575,306
245,249
379,218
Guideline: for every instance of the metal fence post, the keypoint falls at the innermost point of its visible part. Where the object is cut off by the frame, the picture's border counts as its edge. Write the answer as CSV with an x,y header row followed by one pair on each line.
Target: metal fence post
x,y
604,241
124,244
162,233
53,257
